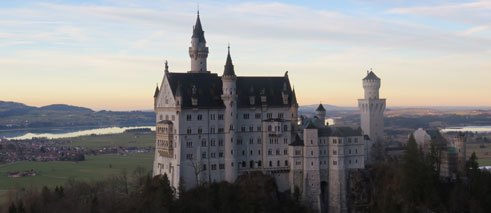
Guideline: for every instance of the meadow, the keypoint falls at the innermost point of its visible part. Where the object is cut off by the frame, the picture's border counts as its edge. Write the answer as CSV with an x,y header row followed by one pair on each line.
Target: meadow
x,y
98,167
114,140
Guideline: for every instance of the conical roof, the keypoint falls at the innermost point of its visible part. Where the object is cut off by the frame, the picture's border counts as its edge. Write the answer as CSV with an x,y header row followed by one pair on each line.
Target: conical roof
x,y
371,76
320,108
198,31
229,67
156,91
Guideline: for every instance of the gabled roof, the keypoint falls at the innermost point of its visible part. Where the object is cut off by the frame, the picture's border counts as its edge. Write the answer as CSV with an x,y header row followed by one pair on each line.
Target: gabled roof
x,y
198,31
371,76
320,108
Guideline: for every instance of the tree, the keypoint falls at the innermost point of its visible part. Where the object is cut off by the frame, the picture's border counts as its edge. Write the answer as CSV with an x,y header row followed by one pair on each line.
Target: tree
x,y
197,168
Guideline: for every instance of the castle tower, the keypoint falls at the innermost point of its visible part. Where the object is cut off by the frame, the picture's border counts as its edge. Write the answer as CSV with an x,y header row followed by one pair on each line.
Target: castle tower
x,y
372,108
320,112
460,145
198,52
229,97
311,167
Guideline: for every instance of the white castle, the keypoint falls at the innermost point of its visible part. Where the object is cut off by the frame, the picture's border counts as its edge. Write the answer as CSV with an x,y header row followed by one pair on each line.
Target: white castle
x,y
213,128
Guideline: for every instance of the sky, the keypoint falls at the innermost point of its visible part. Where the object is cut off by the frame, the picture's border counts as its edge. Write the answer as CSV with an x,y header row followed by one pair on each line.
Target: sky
x,y
109,54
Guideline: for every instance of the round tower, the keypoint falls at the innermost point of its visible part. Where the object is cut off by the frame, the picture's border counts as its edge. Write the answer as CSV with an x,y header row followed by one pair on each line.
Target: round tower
x,y
198,52
229,97
320,112
371,85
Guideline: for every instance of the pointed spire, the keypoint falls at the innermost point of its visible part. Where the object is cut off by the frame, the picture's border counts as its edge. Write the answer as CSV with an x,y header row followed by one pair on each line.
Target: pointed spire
x,y
156,91
166,66
320,108
229,67
198,30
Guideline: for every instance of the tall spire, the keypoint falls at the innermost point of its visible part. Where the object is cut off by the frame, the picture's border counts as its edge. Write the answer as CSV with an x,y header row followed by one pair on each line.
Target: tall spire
x,y
198,30
229,67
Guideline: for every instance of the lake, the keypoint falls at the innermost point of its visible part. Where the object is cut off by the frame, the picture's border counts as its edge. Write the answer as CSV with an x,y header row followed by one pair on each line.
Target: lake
x,y
64,132
468,129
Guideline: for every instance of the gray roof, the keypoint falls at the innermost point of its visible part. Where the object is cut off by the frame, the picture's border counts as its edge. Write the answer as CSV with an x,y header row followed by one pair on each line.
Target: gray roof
x,y
320,108
156,92
371,76
229,67
297,141
198,31
209,90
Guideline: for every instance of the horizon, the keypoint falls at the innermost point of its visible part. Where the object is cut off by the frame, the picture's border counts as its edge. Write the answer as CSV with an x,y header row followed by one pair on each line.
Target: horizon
x,y
108,55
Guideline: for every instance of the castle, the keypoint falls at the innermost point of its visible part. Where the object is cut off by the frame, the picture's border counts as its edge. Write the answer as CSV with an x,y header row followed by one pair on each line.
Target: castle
x,y
213,128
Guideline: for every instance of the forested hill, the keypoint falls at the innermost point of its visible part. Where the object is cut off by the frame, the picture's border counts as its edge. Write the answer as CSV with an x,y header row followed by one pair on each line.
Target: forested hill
x,y
17,115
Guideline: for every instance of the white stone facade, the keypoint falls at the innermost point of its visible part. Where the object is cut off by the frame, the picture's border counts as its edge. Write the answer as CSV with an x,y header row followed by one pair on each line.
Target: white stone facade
x,y
214,128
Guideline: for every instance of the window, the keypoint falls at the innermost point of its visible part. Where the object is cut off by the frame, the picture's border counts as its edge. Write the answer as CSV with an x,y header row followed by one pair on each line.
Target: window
x,y
277,152
251,141
258,128
212,117
258,152
243,129
203,143
220,130
212,142
286,163
285,140
173,117
334,152
349,151
213,155
204,167
270,128
220,154
203,155
270,152
212,130
250,152
298,152
270,164
280,115
189,144
246,115
188,131
188,117
213,167
334,163
259,163
259,141
269,115
243,152
220,142
258,116
200,130
285,152
221,166
189,156
251,129
277,163
285,127
200,117
220,117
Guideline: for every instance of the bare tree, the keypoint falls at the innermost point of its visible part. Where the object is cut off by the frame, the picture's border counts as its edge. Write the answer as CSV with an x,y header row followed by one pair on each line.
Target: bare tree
x,y
197,169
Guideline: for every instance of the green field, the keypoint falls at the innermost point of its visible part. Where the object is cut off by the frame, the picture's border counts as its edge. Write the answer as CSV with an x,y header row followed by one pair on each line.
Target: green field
x,y
483,154
58,172
114,140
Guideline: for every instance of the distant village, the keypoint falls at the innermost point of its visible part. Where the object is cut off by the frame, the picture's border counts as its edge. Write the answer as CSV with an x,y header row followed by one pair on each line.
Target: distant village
x,y
44,150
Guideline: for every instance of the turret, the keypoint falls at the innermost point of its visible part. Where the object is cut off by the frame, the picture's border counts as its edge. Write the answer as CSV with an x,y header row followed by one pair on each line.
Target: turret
x,y
320,112
371,85
229,97
198,52
155,96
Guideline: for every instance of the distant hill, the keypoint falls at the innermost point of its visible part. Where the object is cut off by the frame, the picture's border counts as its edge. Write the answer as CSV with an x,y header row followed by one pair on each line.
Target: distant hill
x,y
17,115
64,107
313,107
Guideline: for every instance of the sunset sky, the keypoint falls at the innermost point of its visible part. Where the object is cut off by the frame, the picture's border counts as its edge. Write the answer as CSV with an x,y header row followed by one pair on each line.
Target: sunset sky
x,y
109,54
